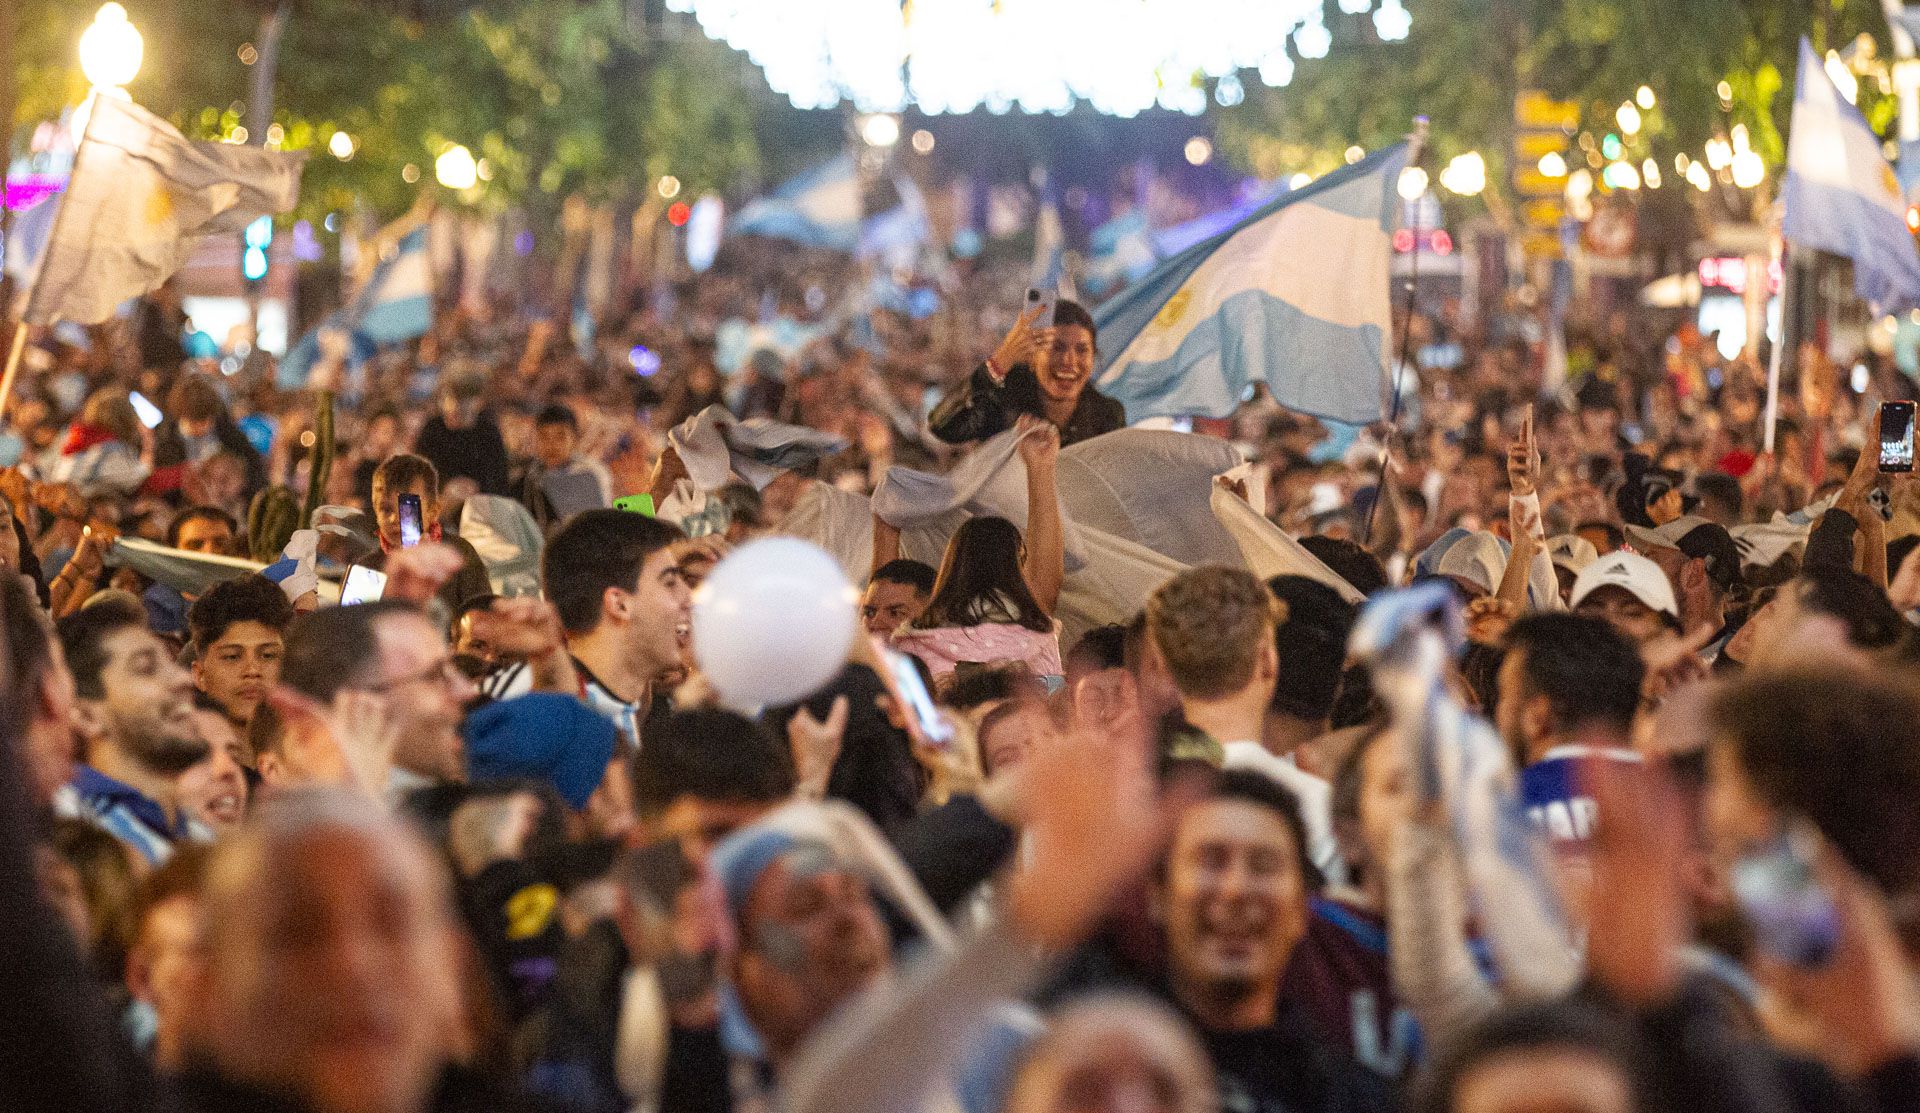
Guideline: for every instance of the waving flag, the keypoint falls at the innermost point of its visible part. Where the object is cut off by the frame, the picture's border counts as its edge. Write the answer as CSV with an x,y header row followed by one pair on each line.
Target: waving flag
x,y
393,305
820,208
1295,296
1841,196
1119,251
140,196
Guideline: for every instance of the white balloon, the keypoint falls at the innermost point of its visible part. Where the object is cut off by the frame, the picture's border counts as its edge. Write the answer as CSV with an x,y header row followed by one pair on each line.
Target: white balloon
x,y
773,623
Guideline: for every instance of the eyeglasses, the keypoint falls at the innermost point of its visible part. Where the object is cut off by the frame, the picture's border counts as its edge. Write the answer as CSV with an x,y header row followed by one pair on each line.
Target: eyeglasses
x,y
444,670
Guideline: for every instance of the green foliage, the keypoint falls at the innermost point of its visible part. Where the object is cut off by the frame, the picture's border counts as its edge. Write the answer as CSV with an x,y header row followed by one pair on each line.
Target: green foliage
x,y
1465,59
559,97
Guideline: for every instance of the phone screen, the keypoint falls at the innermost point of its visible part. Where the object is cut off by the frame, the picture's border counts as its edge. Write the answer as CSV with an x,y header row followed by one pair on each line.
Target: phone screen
x,y
409,521
1037,296
904,681
1792,915
1896,436
150,415
364,585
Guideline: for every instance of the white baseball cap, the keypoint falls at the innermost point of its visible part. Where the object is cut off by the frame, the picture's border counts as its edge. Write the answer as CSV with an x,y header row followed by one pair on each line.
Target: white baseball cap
x,y
1632,573
1571,552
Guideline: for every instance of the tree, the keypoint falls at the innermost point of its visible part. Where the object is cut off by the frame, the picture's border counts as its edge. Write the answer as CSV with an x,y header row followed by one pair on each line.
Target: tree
x,y
1465,59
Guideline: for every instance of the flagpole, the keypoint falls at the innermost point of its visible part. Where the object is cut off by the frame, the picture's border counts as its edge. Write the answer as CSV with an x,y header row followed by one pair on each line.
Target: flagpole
x,y
1788,287
18,348
1416,148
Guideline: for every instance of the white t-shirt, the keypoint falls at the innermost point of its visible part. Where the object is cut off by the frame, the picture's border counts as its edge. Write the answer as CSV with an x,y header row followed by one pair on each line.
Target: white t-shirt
x,y
1314,794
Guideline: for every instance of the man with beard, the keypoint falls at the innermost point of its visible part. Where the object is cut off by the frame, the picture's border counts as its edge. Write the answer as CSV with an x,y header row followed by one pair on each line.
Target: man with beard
x,y
134,715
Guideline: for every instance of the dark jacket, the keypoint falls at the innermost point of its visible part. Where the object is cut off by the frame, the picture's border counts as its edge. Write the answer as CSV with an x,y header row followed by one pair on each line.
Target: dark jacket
x,y
477,452
980,408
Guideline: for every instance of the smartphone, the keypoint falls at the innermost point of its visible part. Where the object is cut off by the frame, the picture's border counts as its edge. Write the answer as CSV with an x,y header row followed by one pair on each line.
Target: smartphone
x,y
410,532
364,585
904,684
1792,915
1896,436
150,415
1046,298
636,504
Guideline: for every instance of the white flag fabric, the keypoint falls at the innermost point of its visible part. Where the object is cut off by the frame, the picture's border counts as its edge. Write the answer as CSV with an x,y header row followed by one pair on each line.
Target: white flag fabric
x,y
1268,550
140,194
715,445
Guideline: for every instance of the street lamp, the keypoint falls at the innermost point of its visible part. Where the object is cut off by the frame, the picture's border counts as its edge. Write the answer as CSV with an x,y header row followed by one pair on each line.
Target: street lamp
x,y
1466,175
880,130
110,48
455,168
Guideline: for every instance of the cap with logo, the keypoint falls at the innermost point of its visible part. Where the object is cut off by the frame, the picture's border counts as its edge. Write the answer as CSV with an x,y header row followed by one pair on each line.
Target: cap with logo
x,y
1632,573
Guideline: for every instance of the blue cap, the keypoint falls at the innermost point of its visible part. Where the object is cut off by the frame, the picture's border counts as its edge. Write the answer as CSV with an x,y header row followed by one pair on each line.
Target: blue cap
x,y
547,736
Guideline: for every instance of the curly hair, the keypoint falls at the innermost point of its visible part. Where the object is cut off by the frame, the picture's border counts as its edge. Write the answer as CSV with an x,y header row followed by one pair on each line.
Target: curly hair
x,y
249,598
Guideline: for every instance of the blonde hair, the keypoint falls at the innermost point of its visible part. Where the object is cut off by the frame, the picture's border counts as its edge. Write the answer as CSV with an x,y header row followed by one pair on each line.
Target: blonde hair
x,y
1208,624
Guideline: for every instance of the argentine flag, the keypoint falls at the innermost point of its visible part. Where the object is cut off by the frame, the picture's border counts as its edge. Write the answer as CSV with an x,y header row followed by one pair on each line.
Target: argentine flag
x,y
1295,296
1841,196
820,208
394,305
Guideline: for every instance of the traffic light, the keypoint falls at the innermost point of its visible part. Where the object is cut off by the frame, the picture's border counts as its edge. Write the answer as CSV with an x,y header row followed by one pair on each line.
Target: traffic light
x,y
258,238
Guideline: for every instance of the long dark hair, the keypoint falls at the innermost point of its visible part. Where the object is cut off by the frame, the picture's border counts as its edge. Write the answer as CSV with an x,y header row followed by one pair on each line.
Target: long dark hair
x,y
980,576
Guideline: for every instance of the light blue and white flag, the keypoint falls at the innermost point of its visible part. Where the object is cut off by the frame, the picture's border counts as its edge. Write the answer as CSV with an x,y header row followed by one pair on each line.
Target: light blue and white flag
x,y
394,304
820,208
1296,296
1049,237
896,234
1841,196
1120,251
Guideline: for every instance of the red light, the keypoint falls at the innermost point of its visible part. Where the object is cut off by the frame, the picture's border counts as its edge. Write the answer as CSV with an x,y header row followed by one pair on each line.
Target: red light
x,y
1442,243
1403,241
679,213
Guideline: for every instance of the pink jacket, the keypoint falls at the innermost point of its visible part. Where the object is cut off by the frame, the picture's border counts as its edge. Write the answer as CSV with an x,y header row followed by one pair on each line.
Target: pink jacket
x,y
944,647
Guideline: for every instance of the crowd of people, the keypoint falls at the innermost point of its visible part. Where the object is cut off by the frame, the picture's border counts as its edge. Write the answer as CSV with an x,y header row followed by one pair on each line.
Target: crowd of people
x,y
1575,767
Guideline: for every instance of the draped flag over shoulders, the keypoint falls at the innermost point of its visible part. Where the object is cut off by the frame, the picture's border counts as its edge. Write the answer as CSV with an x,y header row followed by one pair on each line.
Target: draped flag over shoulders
x,y
1296,296
1841,196
140,195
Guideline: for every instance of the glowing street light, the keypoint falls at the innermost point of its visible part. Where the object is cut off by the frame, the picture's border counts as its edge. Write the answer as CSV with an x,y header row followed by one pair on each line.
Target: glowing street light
x,y
1413,183
1644,98
1466,174
456,169
341,146
1199,151
1748,170
1553,165
1629,119
110,48
880,130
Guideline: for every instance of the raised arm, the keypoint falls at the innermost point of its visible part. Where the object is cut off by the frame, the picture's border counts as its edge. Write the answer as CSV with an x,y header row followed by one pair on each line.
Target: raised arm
x,y
1046,563
886,544
976,409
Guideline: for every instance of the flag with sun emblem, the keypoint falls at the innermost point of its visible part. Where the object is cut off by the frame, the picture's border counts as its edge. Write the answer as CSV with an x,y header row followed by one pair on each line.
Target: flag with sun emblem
x,y
1841,196
1295,296
140,195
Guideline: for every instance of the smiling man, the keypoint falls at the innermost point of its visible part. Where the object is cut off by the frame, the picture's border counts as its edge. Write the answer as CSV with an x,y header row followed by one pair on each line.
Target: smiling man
x,y
624,608
138,736
1039,371
1234,901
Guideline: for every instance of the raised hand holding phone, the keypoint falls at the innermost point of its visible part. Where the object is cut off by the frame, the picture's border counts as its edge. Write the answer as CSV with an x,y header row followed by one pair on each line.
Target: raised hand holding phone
x,y
1896,436
1021,341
